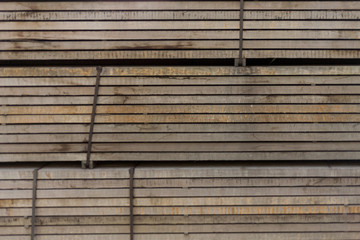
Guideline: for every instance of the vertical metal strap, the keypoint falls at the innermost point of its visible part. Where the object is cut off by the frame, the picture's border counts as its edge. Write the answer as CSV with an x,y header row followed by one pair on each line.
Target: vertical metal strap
x,y
33,214
131,201
88,163
241,61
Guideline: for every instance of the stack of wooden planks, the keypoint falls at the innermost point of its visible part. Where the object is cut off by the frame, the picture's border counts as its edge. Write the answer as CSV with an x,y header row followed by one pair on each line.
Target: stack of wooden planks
x,y
71,203
60,30
180,113
188,201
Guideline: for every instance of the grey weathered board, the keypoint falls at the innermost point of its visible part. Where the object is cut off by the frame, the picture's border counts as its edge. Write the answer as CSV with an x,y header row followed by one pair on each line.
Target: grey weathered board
x,y
179,30
180,113
188,201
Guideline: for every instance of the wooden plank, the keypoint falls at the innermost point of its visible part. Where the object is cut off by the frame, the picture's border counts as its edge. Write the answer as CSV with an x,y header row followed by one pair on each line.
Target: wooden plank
x,y
177,54
33,138
334,14
182,137
181,147
73,237
220,219
179,34
51,157
185,156
180,44
180,109
45,81
214,147
180,81
188,5
218,137
168,128
227,156
177,25
160,45
45,100
173,229
235,236
188,118
68,183
228,99
203,80
176,192
302,54
180,183
244,210
230,170
182,201
180,90
180,71
223,71
49,148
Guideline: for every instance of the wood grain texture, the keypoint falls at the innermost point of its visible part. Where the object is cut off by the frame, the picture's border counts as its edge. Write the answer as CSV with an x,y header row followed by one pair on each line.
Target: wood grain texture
x,y
178,30
311,201
181,113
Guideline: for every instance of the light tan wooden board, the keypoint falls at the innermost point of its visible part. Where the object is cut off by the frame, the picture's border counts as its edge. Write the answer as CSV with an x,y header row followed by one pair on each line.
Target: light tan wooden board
x,y
180,90
180,147
177,54
188,118
170,128
181,137
109,15
199,99
219,219
229,210
173,229
180,109
190,34
182,201
185,156
180,81
186,5
140,71
180,44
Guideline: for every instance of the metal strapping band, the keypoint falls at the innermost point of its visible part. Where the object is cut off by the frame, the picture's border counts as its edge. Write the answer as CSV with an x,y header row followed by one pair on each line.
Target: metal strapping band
x,y
33,210
241,60
89,164
131,201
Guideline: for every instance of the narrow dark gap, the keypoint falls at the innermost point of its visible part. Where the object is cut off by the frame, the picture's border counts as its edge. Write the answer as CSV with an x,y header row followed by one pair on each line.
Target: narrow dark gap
x,y
179,62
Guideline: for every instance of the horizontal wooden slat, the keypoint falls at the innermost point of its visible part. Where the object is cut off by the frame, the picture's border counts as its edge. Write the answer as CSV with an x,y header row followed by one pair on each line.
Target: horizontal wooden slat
x,y
185,44
339,34
100,220
180,147
199,118
181,90
239,99
182,137
187,5
178,54
179,14
180,71
167,109
181,201
169,128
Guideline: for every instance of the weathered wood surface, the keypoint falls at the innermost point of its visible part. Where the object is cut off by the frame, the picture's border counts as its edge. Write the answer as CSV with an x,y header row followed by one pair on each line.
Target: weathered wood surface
x,y
180,113
116,30
308,201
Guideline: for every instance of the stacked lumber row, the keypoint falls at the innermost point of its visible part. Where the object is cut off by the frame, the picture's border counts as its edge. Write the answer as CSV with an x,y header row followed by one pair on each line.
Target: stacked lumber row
x,y
178,29
71,203
45,110
196,202
181,114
